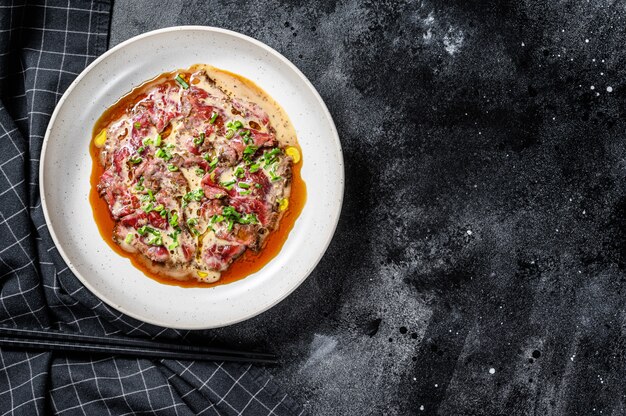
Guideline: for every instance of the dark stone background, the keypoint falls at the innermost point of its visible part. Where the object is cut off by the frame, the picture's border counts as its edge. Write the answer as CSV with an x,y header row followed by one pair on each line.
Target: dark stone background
x,y
484,218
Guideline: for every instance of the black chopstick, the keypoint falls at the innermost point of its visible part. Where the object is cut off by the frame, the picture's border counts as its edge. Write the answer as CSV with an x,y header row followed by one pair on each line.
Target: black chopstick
x,y
47,339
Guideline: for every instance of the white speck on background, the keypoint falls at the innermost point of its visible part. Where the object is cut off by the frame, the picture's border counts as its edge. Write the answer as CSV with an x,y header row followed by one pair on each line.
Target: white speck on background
x,y
422,408
609,89
453,40
469,232
321,346
492,370
586,40
593,87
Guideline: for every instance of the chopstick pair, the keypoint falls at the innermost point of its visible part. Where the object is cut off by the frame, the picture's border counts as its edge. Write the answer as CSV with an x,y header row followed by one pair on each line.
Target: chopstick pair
x,y
52,340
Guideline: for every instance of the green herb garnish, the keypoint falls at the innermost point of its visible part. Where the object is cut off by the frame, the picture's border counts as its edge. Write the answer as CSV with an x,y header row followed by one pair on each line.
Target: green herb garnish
x,y
183,83
213,118
173,236
139,185
135,160
196,195
173,219
172,168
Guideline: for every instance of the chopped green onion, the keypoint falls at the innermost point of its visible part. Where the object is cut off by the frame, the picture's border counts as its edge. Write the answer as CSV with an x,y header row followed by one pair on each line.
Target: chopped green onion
x,y
196,195
239,172
194,231
238,124
142,230
157,141
244,185
155,240
249,219
135,159
139,185
129,238
245,192
274,176
199,140
173,236
140,149
230,134
257,185
213,164
147,141
192,221
151,196
148,208
173,219
163,154
213,118
255,168
228,185
137,125
270,157
159,208
206,157
250,149
172,168
183,83
200,172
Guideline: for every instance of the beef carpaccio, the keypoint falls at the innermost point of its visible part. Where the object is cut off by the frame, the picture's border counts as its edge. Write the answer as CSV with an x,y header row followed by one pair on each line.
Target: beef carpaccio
x,y
196,170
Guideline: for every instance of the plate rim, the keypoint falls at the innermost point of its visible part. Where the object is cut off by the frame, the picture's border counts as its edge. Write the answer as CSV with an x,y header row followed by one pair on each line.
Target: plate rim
x,y
42,163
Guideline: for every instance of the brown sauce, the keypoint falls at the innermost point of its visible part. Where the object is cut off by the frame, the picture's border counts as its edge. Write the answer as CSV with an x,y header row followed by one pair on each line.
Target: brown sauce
x,y
249,262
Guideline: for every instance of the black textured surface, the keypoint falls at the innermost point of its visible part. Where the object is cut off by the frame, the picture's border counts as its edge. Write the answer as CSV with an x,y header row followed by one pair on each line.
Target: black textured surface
x,y
479,264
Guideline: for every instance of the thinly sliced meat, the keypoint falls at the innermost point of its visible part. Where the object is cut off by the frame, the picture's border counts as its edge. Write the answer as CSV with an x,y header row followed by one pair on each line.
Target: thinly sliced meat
x,y
135,220
120,201
158,254
162,207
262,139
219,256
253,206
161,106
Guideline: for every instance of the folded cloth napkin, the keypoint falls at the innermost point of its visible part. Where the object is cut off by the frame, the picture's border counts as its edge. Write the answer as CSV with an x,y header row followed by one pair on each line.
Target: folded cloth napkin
x,y
43,46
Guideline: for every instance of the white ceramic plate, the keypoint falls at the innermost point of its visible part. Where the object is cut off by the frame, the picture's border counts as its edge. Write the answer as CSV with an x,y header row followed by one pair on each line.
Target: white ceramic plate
x,y
66,166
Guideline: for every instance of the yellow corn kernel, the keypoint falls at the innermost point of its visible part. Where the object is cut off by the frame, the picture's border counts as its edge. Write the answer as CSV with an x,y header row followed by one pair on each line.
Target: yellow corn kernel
x,y
202,274
101,138
283,204
293,153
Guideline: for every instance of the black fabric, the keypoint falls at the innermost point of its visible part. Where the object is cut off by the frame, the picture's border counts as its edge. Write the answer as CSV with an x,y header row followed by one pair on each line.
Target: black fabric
x,y
43,47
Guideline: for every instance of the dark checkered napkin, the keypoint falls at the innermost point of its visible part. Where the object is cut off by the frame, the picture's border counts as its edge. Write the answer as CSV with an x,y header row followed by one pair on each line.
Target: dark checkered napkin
x,y
44,45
